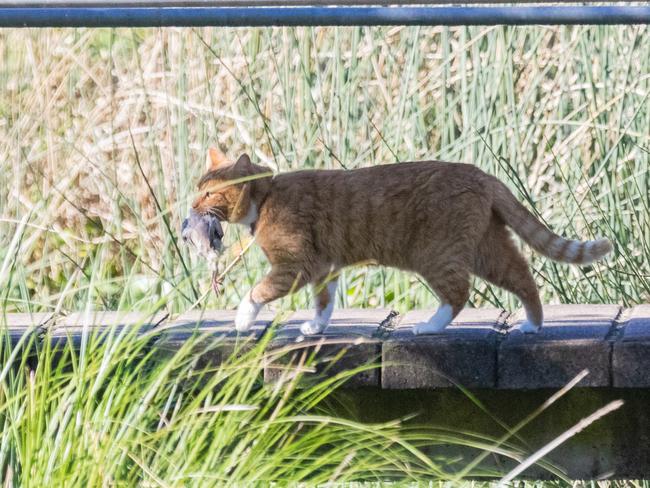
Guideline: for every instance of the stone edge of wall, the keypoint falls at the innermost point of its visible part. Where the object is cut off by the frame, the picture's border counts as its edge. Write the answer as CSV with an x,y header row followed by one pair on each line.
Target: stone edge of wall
x,y
483,348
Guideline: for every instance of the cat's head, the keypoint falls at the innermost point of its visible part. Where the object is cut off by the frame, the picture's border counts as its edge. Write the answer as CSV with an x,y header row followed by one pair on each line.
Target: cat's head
x,y
225,189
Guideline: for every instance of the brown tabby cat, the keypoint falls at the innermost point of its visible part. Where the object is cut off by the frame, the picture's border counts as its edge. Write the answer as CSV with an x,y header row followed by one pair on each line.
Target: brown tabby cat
x,y
445,221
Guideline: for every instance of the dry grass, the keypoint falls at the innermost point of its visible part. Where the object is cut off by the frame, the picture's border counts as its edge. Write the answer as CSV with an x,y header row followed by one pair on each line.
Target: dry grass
x,y
560,113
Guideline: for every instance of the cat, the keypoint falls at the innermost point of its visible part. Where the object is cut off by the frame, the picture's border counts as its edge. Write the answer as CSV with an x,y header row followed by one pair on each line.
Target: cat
x,y
444,221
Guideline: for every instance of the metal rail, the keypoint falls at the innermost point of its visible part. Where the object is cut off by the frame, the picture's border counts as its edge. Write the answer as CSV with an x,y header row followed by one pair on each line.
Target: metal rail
x,y
121,16
286,3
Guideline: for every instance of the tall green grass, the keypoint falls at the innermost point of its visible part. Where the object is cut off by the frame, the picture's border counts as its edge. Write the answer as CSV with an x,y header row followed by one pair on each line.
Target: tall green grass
x,y
131,407
122,413
560,113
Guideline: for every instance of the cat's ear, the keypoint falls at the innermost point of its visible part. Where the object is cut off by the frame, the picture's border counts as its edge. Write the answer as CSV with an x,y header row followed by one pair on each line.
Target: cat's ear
x,y
243,163
216,159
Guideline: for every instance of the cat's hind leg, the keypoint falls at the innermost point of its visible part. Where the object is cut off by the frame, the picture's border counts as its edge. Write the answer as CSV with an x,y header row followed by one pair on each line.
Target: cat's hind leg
x,y
324,296
451,284
499,261
437,323
445,256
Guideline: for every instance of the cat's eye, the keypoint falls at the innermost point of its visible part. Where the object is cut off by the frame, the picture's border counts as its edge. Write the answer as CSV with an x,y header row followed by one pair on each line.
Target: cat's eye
x,y
207,194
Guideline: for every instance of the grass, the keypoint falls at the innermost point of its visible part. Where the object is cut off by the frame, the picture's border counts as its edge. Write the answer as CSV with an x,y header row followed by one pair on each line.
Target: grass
x,y
561,114
118,412
103,135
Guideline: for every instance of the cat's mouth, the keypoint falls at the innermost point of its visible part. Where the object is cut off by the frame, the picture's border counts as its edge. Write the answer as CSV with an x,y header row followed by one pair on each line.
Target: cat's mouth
x,y
204,233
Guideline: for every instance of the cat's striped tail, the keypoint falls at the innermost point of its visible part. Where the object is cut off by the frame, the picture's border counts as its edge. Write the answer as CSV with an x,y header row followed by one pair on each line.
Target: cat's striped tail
x,y
539,237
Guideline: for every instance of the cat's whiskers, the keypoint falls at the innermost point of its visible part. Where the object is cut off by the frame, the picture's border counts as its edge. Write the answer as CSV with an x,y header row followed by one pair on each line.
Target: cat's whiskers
x,y
216,213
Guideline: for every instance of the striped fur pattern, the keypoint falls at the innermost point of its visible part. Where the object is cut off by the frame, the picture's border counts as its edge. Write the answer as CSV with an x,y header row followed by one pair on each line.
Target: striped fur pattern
x,y
543,240
444,221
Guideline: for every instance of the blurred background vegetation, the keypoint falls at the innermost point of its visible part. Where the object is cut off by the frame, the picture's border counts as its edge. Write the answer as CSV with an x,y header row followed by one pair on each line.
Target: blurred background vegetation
x,y
103,135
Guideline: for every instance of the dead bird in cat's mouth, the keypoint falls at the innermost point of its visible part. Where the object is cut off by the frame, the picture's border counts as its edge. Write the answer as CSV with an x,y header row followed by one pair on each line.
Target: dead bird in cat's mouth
x,y
204,233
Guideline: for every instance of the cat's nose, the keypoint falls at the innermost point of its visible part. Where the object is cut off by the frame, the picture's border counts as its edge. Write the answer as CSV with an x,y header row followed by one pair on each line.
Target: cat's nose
x,y
195,205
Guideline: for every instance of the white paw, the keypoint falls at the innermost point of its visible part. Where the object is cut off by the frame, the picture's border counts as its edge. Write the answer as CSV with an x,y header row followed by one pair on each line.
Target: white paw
x,y
246,313
243,322
436,324
529,328
311,327
428,328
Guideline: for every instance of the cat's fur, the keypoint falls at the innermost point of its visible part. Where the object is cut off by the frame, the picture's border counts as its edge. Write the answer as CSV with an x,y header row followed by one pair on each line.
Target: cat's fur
x,y
444,221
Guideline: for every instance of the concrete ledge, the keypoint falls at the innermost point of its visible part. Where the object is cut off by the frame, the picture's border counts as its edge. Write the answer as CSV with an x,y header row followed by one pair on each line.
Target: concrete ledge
x,y
98,325
573,338
478,350
349,342
631,355
464,354
213,331
17,325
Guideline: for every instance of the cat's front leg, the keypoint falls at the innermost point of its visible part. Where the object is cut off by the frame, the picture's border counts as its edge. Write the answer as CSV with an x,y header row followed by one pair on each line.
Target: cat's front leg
x,y
247,312
325,296
280,281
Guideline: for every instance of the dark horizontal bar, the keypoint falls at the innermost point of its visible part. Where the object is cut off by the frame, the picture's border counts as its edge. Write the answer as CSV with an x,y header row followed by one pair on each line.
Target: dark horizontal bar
x,y
270,3
313,16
